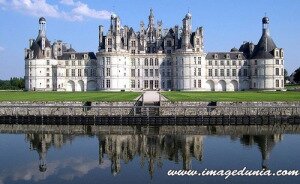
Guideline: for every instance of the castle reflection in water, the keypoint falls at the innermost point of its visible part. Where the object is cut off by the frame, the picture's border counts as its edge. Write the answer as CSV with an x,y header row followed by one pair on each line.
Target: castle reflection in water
x,y
151,148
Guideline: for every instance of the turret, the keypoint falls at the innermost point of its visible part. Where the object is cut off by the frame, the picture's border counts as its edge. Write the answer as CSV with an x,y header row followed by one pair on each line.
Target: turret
x,y
100,38
186,30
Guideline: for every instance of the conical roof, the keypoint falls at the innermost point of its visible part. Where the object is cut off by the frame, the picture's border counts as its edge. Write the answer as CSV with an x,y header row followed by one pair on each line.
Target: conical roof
x,y
264,48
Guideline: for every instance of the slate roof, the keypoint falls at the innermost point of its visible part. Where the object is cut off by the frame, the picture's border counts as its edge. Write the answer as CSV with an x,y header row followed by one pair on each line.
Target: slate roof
x,y
222,55
264,48
78,55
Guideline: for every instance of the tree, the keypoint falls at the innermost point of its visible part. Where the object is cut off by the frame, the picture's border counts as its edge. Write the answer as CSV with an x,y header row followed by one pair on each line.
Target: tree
x,y
296,76
286,76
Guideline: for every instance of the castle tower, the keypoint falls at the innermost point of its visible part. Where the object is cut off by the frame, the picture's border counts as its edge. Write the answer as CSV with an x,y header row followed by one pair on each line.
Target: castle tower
x,y
186,31
267,70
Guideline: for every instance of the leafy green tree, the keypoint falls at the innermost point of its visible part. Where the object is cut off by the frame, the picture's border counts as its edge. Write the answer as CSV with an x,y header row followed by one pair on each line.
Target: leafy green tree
x,y
297,76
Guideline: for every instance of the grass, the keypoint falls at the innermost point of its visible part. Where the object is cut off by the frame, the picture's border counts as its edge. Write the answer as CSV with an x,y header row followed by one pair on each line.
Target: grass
x,y
243,96
292,87
68,96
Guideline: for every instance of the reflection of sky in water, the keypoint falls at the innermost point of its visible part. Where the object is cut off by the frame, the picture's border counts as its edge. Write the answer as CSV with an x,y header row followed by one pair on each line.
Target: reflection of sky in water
x,y
143,158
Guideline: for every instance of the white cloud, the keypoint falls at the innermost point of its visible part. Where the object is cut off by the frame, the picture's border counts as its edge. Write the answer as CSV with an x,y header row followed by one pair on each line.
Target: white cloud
x,y
79,11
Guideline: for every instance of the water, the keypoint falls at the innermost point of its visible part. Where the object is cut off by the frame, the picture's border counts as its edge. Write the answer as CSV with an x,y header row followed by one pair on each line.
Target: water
x,y
131,154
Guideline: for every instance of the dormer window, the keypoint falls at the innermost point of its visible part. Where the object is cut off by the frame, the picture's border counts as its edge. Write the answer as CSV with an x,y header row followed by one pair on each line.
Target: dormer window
x,y
277,53
227,56
72,56
239,56
85,56
216,56
282,53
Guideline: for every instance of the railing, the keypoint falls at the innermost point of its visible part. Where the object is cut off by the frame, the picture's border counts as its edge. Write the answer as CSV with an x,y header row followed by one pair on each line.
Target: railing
x,y
46,110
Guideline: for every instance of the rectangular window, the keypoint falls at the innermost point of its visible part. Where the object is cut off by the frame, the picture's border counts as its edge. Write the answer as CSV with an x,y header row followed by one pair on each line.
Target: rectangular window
x,y
199,60
195,83
146,85
107,83
156,84
210,72
195,60
132,83
195,71
216,72
108,61
156,73
146,62
245,72
222,72
156,62
132,72
222,63
233,62
151,72
151,62
79,72
163,72
277,61
146,72
169,73
73,63
234,72
132,51
228,62
227,72
73,72
216,63
67,63
107,72
138,72
210,63
109,41
199,83
109,50
79,62
199,71
277,83
48,74
85,72
67,73
277,71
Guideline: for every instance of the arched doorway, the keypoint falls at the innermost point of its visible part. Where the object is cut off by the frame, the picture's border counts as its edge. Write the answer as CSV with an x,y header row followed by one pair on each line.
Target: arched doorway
x,y
210,85
232,86
221,86
70,86
80,86
91,85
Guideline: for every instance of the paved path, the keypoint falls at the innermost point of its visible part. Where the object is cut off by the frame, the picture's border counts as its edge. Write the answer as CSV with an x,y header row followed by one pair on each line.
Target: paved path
x,y
152,96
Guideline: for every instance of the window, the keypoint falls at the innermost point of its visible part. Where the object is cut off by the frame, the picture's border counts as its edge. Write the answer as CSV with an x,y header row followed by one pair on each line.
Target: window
x,y
216,72
216,56
107,72
255,71
156,62
199,71
195,71
48,53
195,83
227,72
48,62
233,62
222,63
109,50
156,72
277,54
195,60
132,83
132,72
163,72
233,72
168,72
245,72
255,62
73,72
277,61
138,72
209,62
199,60
151,62
146,72
109,41
85,56
228,62
107,60
48,74
73,63
132,43
199,83
216,62
227,56
132,62
146,84
79,62
72,56
277,83
210,72
151,72
169,43
197,41
67,73
156,84
277,71
79,72
132,51
281,83
85,72
146,62
48,69
222,72
107,83
240,62
48,80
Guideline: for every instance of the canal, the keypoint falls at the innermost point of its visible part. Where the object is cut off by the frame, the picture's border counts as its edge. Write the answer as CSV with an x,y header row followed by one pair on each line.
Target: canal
x,y
146,154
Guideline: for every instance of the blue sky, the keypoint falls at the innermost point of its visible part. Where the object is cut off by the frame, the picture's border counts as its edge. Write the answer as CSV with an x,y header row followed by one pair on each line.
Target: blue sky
x,y
226,23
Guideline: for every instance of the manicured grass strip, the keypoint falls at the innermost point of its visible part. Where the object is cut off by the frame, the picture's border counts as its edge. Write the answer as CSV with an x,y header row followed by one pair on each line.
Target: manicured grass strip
x,y
68,96
244,96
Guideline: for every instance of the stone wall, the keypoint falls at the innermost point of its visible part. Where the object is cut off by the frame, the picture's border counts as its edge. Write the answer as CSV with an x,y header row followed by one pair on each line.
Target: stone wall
x,y
65,108
229,108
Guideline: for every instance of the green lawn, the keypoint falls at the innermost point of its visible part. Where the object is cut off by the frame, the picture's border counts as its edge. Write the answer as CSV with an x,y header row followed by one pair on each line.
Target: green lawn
x,y
249,96
67,96
292,86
